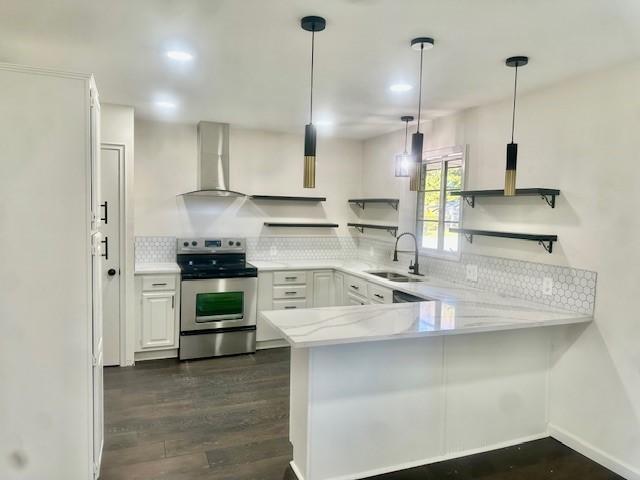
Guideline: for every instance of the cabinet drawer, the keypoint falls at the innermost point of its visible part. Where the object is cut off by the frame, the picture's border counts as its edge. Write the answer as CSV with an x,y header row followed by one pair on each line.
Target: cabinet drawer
x,y
379,294
289,278
356,285
289,304
354,299
158,282
290,291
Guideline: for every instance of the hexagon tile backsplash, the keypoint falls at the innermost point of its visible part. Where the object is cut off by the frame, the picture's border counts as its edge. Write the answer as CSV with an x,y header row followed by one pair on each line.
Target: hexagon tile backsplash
x,y
572,289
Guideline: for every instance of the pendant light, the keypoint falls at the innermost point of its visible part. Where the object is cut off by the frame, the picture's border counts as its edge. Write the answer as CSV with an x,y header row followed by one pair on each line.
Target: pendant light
x,y
512,148
403,160
311,24
417,139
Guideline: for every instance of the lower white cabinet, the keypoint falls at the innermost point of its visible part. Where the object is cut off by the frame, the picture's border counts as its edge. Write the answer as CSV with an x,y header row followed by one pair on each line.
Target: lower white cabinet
x,y
157,316
323,288
158,320
355,299
338,289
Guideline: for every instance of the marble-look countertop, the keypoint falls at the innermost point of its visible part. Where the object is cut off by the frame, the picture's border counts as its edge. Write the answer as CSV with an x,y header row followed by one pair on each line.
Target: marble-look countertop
x,y
150,268
453,309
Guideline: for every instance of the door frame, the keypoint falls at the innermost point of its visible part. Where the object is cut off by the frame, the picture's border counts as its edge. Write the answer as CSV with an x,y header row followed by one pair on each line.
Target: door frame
x,y
122,238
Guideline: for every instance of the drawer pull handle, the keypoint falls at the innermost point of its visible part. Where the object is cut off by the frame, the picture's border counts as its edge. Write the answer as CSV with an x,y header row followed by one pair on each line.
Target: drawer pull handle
x,y
288,307
158,284
355,287
290,278
290,293
378,295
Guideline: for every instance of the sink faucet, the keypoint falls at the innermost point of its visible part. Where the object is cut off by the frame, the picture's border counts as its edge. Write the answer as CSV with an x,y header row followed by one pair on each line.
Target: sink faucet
x,y
415,266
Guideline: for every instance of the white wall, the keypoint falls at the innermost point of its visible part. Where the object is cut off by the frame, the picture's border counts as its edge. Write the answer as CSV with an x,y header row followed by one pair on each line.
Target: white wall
x,y
261,163
581,137
117,127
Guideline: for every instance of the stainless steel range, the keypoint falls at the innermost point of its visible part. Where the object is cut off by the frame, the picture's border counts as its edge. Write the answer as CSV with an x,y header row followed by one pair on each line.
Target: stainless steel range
x,y
218,299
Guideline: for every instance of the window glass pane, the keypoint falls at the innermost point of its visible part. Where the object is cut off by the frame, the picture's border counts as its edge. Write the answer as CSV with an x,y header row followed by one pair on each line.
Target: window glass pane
x,y
433,176
454,178
450,238
430,235
432,213
452,209
432,199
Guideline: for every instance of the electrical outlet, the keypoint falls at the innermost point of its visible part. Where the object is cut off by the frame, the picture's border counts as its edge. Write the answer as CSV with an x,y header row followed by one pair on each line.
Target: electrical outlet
x,y
547,286
472,273
273,251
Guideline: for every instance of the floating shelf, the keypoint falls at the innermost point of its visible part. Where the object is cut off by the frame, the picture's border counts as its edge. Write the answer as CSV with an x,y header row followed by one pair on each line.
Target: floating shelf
x,y
392,229
548,194
361,202
545,240
301,225
285,198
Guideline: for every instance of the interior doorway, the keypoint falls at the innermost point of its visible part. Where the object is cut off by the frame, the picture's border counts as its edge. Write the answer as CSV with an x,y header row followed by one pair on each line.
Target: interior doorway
x,y
112,186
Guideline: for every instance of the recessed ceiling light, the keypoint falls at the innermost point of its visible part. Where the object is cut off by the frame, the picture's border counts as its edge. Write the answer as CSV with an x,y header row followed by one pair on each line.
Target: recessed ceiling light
x,y
400,87
165,104
179,55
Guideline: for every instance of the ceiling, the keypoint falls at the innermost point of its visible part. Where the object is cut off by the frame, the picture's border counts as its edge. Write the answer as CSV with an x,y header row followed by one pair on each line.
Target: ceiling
x,y
251,65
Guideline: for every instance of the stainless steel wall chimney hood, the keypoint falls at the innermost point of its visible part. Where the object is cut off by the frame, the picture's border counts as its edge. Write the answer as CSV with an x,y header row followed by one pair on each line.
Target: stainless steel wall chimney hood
x,y
213,161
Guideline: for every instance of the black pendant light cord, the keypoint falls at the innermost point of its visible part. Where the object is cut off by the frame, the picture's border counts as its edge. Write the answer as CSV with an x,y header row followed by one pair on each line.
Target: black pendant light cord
x,y
420,88
406,134
313,44
515,93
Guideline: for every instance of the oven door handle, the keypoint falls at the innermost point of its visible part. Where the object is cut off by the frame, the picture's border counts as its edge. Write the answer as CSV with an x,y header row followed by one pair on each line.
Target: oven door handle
x,y
217,318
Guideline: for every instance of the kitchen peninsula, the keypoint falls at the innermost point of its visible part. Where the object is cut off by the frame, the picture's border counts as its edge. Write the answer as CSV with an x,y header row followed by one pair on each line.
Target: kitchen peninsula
x,y
379,388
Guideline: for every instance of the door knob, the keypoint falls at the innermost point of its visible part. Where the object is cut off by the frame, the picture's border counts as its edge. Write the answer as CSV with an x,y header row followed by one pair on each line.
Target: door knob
x,y
111,272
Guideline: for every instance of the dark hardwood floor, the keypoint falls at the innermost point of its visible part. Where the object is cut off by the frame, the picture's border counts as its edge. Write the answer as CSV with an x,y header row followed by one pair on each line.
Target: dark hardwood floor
x,y
227,419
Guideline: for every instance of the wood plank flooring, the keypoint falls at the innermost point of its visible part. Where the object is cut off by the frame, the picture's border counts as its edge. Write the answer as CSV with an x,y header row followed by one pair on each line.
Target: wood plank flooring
x,y
227,419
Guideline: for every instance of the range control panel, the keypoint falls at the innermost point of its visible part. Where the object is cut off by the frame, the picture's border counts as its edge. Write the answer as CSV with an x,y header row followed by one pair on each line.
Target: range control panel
x,y
211,245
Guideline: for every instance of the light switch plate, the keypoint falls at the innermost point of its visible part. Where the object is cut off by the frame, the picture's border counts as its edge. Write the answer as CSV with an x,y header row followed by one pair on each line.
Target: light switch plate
x,y
547,286
472,273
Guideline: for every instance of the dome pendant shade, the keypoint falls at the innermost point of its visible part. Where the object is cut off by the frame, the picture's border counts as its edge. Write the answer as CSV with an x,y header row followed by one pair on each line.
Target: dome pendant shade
x,y
309,156
512,148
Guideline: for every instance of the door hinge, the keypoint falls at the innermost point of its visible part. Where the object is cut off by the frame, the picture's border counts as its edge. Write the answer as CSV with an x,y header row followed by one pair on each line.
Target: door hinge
x,y
94,360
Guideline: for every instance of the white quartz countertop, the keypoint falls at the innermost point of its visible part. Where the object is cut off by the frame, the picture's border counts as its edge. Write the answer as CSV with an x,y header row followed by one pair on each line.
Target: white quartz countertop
x,y
150,268
454,309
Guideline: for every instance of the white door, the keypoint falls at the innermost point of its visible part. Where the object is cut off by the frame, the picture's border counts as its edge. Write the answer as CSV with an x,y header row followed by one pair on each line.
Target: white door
x,y
322,288
110,215
158,319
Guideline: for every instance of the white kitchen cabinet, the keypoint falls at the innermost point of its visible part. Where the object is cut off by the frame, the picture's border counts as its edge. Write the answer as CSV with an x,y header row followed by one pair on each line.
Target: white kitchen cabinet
x,y
378,294
264,331
323,288
158,320
338,289
157,316
355,299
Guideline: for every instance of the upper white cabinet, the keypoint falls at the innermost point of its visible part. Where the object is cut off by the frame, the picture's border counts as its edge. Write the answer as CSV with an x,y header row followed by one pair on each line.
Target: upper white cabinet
x,y
323,288
158,320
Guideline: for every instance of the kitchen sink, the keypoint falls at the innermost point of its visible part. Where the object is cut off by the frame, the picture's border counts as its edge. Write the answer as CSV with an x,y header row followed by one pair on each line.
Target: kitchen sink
x,y
395,277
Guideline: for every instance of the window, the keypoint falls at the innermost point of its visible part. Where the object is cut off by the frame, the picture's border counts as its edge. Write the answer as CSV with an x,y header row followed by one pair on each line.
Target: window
x,y
438,210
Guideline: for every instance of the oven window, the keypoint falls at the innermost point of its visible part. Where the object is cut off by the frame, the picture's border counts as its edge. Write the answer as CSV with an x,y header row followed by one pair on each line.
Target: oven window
x,y
219,306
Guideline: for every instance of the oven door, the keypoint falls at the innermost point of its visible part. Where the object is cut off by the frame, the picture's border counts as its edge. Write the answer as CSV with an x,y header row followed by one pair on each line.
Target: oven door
x,y
218,303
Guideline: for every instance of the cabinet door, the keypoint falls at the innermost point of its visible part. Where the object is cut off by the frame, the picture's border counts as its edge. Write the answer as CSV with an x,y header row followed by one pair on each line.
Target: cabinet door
x,y
338,289
322,288
264,330
158,320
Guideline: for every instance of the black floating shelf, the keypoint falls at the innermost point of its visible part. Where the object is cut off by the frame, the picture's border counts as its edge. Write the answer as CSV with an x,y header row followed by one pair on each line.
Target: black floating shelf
x,y
286,198
301,225
361,202
392,229
545,240
548,194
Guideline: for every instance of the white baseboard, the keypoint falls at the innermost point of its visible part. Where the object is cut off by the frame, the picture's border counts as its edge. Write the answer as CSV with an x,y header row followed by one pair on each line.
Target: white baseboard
x,y
621,468
426,461
156,355
271,344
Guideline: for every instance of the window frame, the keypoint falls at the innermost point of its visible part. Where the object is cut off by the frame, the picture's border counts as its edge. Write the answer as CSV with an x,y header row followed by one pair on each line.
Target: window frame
x,y
440,156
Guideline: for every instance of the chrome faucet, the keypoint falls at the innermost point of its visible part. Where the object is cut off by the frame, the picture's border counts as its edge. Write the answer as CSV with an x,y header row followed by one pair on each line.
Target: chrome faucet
x,y
415,266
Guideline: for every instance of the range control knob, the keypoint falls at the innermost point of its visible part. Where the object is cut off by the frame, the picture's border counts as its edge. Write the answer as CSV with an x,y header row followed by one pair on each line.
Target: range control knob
x,y
230,243
237,244
186,244
194,243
